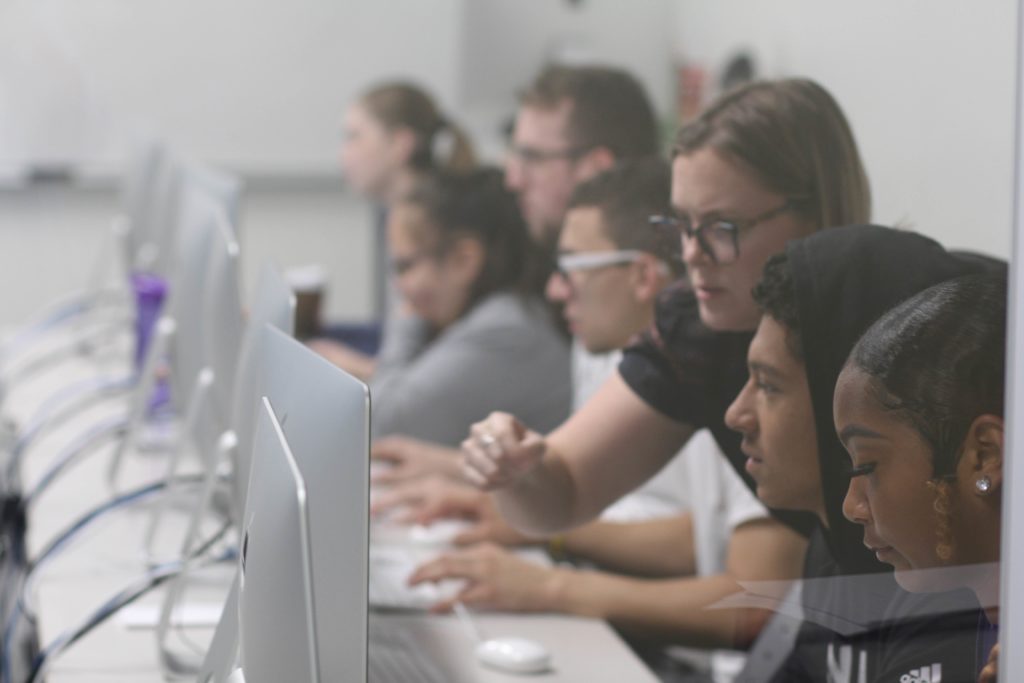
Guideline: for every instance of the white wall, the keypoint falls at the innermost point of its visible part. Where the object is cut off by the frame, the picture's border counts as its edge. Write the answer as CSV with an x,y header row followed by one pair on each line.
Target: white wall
x,y
505,43
257,85
928,86
50,238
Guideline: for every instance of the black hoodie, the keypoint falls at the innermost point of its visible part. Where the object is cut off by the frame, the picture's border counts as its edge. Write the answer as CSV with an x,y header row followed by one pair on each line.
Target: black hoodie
x,y
845,279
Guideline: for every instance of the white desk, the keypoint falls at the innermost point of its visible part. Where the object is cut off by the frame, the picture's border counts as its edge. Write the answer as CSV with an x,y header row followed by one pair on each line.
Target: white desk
x,y
109,557
583,649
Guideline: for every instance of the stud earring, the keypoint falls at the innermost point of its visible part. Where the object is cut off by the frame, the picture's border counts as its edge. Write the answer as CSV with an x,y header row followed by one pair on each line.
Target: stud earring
x,y
983,485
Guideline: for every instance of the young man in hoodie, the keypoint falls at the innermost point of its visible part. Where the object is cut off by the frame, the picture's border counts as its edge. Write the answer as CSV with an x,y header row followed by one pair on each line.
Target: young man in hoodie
x,y
817,298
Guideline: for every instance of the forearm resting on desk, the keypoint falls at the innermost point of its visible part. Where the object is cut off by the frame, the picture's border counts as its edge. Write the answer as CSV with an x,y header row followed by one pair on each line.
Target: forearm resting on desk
x,y
675,609
670,610
653,548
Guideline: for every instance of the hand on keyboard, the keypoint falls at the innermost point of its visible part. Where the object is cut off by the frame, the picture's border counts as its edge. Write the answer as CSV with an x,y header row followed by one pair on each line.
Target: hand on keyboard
x,y
425,500
398,459
494,578
390,570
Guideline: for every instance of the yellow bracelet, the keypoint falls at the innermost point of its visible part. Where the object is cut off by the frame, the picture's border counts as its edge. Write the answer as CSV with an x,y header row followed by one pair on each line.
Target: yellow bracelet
x,y
556,548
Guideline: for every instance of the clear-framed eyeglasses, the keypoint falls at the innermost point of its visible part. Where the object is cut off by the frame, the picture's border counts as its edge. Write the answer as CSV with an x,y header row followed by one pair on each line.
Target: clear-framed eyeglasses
x,y
573,262
593,260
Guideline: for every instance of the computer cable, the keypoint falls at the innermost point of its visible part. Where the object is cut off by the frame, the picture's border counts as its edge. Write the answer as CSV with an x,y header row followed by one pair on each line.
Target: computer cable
x,y
57,544
62,312
140,494
123,598
83,344
111,428
64,404
57,314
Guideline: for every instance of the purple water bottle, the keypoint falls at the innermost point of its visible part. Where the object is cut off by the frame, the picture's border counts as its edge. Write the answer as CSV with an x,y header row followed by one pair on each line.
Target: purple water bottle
x,y
150,292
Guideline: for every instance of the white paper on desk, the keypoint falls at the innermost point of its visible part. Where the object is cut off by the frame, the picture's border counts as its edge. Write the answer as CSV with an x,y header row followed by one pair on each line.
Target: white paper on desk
x,y
196,614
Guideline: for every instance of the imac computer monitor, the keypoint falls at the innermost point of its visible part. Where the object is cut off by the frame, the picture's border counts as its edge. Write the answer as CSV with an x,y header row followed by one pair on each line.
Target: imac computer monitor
x,y
275,594
325,415
197,230
275,633
223,322
272,304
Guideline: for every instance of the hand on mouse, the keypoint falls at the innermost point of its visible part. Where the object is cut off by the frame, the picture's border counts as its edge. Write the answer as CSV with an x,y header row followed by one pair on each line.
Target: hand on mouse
x,y
495,579
500,450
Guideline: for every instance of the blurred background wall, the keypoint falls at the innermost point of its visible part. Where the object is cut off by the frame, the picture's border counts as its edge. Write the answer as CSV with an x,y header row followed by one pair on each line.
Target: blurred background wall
x,y
259,87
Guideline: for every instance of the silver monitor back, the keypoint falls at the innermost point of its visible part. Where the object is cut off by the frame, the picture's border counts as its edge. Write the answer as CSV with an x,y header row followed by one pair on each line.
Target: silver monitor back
x,y
156,215
223,321
139,186
225,188
201,220
325,415
222,655
273,303
222,189
277,640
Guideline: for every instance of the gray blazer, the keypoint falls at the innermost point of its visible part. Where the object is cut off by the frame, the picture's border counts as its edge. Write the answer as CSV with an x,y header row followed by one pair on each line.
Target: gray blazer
x,y
504,354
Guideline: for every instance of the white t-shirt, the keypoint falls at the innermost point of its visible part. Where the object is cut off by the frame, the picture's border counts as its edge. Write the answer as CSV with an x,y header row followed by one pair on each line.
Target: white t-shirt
x,y
660,496
699,479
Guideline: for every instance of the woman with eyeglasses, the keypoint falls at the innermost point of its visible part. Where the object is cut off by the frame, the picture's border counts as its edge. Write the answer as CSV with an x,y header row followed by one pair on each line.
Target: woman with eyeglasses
x,y
765,164
479,334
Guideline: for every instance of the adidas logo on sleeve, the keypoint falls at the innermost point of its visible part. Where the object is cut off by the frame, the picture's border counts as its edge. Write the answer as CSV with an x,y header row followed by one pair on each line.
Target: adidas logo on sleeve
x,y
926,674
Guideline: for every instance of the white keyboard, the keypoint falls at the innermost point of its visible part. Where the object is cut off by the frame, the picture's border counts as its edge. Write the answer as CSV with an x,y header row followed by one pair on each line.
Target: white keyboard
x,y
394,657
390,568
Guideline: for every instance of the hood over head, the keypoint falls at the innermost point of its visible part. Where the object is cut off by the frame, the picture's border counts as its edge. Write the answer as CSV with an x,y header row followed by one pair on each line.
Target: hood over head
x,y
845,279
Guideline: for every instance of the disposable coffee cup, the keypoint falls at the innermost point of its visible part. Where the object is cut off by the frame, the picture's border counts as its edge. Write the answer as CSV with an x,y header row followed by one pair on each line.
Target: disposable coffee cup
x,y
309,284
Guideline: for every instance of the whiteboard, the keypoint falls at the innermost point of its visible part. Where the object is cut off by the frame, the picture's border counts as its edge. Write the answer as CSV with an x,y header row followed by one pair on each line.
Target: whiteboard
x,y
256,85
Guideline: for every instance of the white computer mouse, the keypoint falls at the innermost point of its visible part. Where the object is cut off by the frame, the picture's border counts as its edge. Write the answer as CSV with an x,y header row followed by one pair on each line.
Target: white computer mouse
x,y
514,655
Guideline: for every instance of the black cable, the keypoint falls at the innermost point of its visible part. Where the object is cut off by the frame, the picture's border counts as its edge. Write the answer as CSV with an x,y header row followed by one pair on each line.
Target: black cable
x,y
151,580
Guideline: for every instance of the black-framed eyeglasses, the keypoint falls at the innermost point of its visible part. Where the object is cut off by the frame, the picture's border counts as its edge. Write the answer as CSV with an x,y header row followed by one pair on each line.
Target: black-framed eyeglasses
x,y
534,156
719,238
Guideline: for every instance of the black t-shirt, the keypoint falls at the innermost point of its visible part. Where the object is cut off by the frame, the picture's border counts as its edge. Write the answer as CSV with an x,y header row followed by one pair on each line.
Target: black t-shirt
x,y
864,629
691,374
